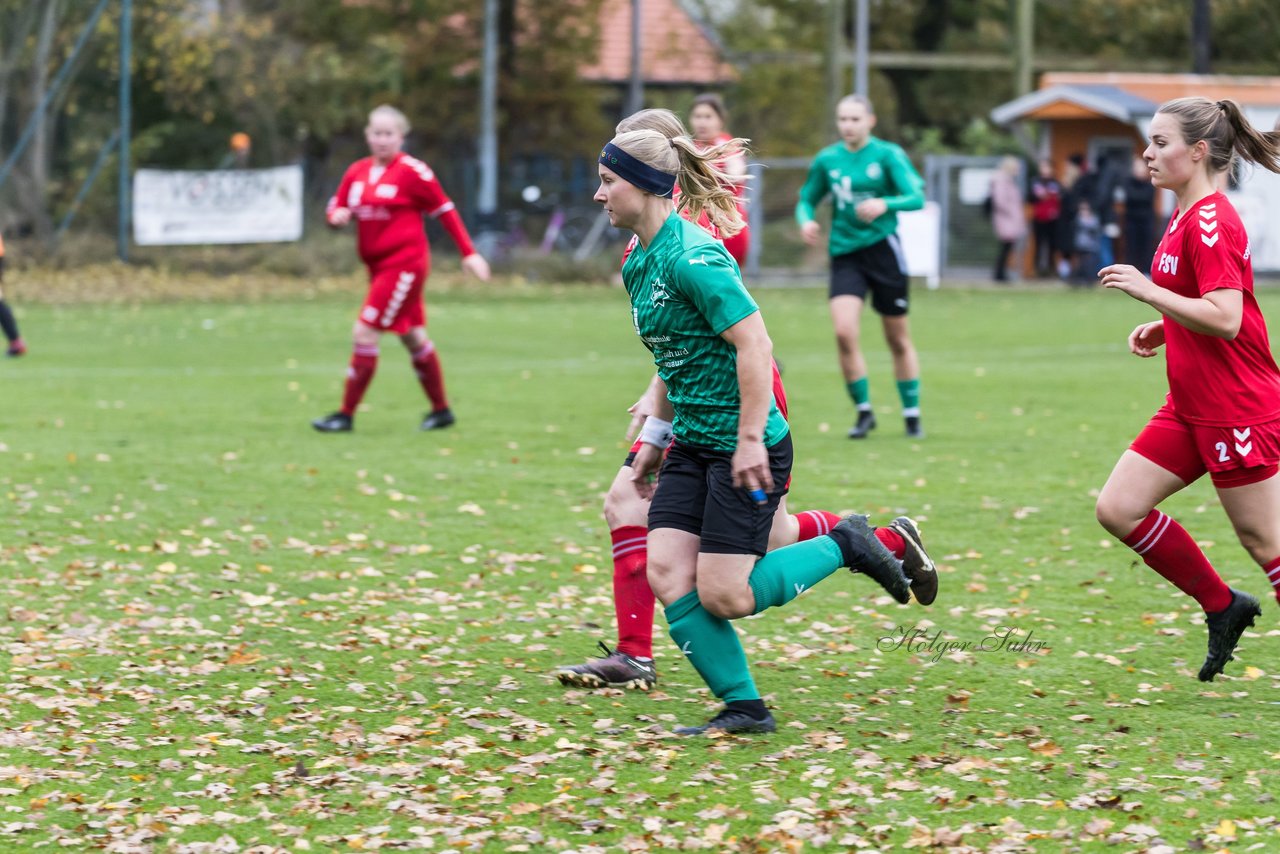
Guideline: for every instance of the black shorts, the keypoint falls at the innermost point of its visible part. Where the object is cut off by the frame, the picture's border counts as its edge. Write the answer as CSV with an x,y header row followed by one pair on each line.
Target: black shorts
x,y
696,494
880,268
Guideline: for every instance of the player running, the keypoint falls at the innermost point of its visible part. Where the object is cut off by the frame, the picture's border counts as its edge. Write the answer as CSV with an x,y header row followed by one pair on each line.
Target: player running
x,y
725,472
1222,414
629,664
387,194
870,180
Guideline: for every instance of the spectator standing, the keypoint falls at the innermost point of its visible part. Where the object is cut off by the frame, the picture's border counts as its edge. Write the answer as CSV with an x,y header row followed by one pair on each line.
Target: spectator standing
x,y
1008,217
1139,216
1046,210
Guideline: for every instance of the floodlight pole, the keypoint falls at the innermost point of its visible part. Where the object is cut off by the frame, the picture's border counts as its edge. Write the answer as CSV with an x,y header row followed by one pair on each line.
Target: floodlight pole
x,y
126,107
861,46
487,193
635,91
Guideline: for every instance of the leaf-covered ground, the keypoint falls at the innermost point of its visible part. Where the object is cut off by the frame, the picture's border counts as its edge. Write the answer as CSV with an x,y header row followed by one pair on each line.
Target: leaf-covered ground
x,y
224,632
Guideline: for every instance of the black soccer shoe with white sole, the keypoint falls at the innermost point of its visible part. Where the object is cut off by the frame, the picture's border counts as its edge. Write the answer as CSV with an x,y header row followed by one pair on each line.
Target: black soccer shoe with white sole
x,y
337,422
863,552
865,424
916,563
732,721
438,420
1225,628
615,670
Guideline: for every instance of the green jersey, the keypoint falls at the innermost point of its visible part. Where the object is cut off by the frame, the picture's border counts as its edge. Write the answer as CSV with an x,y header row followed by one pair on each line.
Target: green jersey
x,y
879,169
685,290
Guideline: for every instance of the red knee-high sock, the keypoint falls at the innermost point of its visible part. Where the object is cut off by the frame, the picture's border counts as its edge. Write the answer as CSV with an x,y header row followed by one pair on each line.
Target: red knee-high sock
x,y
1273,575
815,523
426,363
632,597
1166,547
892,541
364,361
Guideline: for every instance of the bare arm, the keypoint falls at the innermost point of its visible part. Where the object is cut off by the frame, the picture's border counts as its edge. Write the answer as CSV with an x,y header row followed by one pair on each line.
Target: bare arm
x,y
755,388
1217,313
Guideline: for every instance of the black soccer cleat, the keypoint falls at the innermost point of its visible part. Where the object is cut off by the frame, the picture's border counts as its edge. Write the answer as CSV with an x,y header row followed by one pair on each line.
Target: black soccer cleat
x,y
615,670
914,429
731,721
336,422
438,420
916,563
865,424
863,552
1225,628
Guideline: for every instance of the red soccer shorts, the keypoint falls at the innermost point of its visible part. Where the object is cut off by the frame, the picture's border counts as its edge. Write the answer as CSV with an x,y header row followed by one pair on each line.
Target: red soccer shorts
x,y
1233,456
394,303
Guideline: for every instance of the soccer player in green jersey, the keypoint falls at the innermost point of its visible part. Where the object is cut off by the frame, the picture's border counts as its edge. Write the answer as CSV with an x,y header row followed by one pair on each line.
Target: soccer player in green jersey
x,y
870,180
726,470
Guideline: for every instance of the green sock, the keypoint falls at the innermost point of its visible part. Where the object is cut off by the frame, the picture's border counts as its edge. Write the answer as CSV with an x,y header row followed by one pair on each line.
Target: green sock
x,y
782,575
860,391
909,391
712,647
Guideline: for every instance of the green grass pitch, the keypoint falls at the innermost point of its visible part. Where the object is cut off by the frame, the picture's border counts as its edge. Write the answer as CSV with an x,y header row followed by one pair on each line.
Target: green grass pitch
x,y
223,630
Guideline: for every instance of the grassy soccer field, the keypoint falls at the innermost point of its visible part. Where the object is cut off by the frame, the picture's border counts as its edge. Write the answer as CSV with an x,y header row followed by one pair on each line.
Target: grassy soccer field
x,y
225,630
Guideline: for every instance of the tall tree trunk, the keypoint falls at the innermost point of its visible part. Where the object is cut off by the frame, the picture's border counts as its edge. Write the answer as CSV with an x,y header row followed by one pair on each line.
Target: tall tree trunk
x,y
17,30
38,153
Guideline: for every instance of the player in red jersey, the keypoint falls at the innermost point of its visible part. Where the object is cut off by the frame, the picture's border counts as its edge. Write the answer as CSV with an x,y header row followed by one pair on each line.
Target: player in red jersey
x,y
630,663
707,119
1222,414
387,194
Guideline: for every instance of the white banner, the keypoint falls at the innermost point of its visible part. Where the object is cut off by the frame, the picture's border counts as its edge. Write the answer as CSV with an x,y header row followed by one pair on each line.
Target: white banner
x,y
218,206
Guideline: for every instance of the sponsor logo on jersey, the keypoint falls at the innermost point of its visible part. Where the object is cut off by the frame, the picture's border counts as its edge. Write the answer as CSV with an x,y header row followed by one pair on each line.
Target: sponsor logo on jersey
x,y
355,193
1168,264
874,171
842,190
385,191
659,295
699,260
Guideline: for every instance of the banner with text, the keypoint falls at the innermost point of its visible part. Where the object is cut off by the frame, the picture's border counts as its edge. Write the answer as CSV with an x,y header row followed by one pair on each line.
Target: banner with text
x,y
173,207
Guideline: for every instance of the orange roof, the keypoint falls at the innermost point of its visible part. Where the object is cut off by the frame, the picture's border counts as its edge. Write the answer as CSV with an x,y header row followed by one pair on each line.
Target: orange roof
x,y
674,48
1158,88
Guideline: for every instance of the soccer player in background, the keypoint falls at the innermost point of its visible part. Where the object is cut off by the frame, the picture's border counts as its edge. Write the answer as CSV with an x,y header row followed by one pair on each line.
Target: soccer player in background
x,y
1222,414
870,180
707,120
725,472
629,664
387,193
7,321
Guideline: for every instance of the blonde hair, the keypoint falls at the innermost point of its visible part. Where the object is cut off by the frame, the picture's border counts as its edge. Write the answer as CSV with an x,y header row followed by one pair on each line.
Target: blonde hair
x,y
401,120
704,187
663,121
1226,130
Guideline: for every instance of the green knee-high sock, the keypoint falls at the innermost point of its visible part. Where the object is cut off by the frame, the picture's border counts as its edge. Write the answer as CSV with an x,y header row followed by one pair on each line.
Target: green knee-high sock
x,y
860,392
711,644
782,575
909,392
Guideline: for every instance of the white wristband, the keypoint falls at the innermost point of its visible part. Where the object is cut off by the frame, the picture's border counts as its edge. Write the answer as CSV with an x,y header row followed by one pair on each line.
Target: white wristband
x,y
656,432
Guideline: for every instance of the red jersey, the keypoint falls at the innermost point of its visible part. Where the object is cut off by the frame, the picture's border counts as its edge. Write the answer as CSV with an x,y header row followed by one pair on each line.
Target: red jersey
x,y
1212,381
388,211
